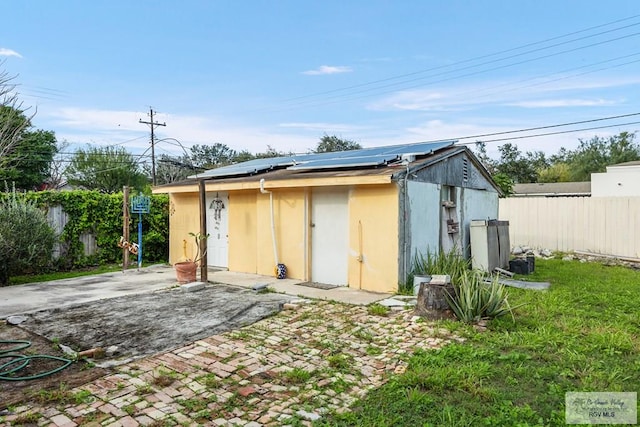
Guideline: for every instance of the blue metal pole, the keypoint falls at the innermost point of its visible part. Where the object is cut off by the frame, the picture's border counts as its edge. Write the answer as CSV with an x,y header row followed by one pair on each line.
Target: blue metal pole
x,y
139,240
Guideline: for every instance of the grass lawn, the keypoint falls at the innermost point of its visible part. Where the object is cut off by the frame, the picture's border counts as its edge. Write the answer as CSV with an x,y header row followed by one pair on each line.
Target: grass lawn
x,y
45,277
581,335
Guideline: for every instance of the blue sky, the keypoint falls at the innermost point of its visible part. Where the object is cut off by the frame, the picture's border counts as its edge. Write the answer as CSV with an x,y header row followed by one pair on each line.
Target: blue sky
x,y
282,73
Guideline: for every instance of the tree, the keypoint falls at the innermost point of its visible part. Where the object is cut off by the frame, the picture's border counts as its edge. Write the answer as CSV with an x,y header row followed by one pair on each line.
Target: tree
x,y
481,153
271,152
172,169
518,167
57,167
28,161
212,156
597,153
28,164
105,169
13,120
333,143
505,183
26,239
557,172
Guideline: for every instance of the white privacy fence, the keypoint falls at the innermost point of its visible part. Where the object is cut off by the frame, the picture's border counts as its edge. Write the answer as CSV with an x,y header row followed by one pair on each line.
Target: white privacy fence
x,y
602,225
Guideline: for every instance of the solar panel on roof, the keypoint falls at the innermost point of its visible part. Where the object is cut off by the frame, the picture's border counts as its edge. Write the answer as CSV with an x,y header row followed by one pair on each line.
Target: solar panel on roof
x,y
374,156
248,167
349,162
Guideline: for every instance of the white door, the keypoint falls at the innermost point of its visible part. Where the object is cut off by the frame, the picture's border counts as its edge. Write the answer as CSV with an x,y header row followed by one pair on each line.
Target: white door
x,y
218,229
330,237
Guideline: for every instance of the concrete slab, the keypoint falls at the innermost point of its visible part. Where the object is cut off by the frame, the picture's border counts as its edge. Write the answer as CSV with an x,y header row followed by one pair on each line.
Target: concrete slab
x,y
61,293
29,298
293,287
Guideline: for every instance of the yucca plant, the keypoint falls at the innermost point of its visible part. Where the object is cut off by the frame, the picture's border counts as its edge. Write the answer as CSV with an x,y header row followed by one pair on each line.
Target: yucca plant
x,y
475,299
452,263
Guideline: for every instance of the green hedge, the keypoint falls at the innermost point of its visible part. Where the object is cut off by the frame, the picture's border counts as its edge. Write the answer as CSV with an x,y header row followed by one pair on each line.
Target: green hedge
x,y
101,215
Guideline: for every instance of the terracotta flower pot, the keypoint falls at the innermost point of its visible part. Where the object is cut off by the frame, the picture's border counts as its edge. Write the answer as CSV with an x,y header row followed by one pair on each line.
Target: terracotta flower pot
x,y
186,271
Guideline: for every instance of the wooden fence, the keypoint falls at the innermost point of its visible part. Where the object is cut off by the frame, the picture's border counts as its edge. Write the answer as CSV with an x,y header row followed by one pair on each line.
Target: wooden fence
x,y
602,225
57,219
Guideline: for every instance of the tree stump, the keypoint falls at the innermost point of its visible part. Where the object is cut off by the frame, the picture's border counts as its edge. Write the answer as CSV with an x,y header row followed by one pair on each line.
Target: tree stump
x,y
431,301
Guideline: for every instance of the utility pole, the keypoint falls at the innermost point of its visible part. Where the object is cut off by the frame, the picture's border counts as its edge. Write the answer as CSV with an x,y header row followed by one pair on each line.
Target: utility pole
x,y
153,125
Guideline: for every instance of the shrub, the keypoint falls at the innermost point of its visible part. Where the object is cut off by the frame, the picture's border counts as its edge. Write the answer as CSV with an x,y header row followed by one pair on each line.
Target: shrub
x,y
452,263
26,239
474,299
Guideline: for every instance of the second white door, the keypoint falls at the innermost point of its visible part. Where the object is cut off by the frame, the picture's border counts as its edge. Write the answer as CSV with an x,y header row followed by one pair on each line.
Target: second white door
x,y
330,236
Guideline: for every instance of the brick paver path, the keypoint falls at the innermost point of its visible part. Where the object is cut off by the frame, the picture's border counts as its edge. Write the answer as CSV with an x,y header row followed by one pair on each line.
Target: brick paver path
x,y
293,367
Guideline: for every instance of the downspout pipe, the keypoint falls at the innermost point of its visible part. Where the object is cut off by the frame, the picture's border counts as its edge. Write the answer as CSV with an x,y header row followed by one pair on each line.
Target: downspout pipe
x,y
273,224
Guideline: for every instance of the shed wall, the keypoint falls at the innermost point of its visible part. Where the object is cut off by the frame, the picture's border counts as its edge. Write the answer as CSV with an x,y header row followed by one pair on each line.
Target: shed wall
x,y
184,218
451,171
288,206
373,238
423,219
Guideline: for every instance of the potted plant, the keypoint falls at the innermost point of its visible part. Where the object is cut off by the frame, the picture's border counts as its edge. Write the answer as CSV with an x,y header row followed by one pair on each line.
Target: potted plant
x,y
186,269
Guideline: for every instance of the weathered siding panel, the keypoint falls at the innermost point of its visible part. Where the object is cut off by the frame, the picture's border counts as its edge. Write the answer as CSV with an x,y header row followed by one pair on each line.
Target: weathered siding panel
x,y
423,218
603,225
58,219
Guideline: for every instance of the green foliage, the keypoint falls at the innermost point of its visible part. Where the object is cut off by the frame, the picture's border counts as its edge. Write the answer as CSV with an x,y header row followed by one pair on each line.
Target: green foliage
x,y
212,156
27,164
296,376
474,300
591,156
101,215
172,169
581,334
377,310
557,172
202,157
105,169
26,239
520,168
333,143
452,263
505,183
597,153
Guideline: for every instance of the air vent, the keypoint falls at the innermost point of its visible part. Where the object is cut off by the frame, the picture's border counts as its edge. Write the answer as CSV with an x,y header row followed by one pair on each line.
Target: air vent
x,y
465,169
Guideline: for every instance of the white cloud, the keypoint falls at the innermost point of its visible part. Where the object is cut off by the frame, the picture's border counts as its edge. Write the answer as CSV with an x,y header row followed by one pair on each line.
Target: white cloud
x,y
555,103
469,96
108,127
327,69
9,52
323,127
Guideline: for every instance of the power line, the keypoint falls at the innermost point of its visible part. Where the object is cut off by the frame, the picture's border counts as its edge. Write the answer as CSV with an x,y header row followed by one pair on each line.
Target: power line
x,y
152,125
555,133
550,126
485,89
377,90
482,57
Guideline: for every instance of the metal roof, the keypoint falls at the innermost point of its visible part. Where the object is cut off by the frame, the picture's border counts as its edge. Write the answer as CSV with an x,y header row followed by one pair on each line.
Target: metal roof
x,y
366,157
551,189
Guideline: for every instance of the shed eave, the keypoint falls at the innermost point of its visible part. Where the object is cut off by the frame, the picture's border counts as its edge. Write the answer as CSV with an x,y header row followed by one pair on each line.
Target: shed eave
x,y
254,184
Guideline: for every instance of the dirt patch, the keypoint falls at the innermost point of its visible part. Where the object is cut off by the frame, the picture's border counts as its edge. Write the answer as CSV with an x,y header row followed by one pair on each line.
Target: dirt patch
x,y
13,392
138,325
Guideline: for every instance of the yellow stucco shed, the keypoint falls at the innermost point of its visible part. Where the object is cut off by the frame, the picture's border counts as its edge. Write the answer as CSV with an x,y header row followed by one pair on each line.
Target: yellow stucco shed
x,y
356,224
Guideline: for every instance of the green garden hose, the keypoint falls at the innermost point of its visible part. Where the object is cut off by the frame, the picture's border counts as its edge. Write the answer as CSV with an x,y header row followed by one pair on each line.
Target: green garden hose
x,y
22,361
